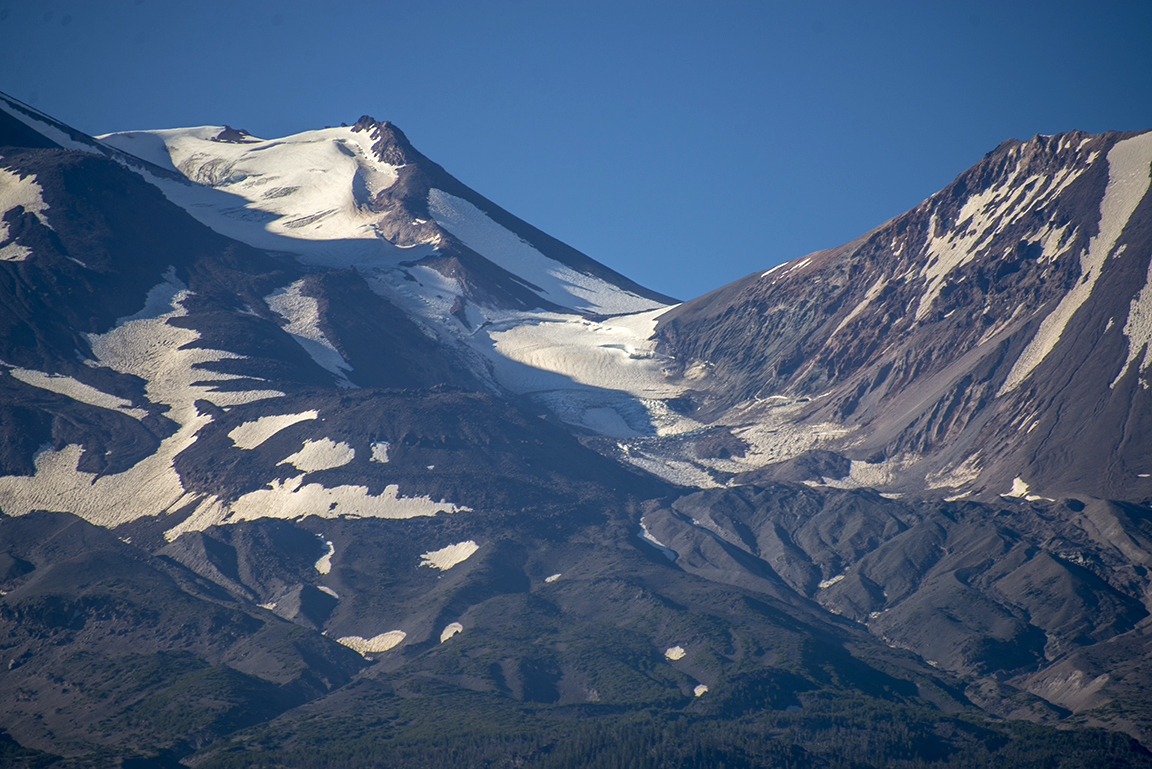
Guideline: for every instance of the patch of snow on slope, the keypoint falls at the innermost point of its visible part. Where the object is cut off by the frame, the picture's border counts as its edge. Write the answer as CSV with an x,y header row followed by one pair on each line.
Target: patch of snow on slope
x,y
700,690
1019,488
450,630
552,578
872,292
329,591
1138,329
324,565
290,499
555,282
323,454
19,191
380,643
447,557
76,390
43,125
251,434
1128,168
605,376
303,316
982,216
143,345
380,452
674,653
646,535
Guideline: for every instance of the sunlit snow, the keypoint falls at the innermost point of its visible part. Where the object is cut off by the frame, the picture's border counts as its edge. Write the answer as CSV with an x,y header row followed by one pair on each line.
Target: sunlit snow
x,y
447,557
450,630
380,451
77,391
557,282
323,454
18,191
324,565
143,345
251,434
379,643
1128,181
303,316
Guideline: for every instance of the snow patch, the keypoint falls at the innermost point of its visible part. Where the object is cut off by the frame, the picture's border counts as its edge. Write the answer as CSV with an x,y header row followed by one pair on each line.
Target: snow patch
x,y
1019,488
831,581
24,191
76,390
303,316
290,500
604,376
450,630
323,454
380,451
981,218
699,690
380,643
163,355
251,434
1129,163
304,194
557,576
324,565
646,535
674,652
1138,329
447,557
329,591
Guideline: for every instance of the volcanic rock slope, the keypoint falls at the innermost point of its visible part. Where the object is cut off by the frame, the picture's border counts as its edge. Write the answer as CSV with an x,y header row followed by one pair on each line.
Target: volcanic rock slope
x,y
994,339
309,451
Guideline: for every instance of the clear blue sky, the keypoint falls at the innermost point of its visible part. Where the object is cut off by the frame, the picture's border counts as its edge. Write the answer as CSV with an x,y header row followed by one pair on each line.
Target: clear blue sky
x,y
684,144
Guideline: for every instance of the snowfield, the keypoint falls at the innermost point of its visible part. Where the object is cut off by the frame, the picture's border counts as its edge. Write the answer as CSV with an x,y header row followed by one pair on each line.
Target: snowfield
x,y
379,643
1128,181
447,557
26,193
251,434
323,454
146,346
555,282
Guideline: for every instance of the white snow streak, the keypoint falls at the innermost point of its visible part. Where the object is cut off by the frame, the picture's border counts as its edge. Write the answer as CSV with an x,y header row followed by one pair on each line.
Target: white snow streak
x,y
17,191
674,652
1138,329
77,391
323,454
303,316
450,630
251,434
1128,179
324,565
447,557
557,282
